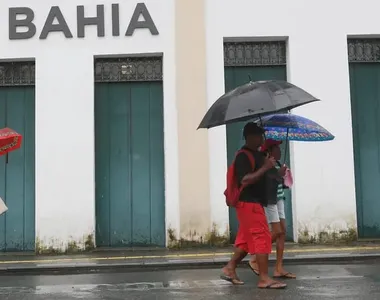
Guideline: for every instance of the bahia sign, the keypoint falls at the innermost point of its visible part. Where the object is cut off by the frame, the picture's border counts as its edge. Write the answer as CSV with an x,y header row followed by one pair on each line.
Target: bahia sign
x,y
23,17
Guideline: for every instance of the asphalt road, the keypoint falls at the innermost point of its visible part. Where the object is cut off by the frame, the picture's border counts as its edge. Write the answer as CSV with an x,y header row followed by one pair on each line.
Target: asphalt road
x,y
356,281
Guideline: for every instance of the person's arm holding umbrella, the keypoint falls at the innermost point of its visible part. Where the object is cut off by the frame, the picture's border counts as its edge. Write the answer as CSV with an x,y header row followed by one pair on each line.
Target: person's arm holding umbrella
x,y
279,173
247,175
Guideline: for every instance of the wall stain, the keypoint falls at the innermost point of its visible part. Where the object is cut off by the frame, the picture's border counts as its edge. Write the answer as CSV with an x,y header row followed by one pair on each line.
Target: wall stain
x,y
328,236
86,244
211,239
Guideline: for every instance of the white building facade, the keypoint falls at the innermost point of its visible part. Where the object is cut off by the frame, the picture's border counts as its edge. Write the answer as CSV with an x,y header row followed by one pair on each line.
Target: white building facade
x,y
108,96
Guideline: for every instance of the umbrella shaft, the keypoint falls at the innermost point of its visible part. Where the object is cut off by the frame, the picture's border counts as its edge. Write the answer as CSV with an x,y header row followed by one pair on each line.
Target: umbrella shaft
x,y
286,145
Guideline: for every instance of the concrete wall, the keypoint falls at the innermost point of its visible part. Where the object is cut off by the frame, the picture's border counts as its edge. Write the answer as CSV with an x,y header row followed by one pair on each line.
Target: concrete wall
x,y
191,34
324,191
65,203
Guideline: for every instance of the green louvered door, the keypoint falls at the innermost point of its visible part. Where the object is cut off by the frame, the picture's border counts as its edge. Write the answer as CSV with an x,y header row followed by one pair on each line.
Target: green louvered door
x,y
253,63
365,102
17,225
130,203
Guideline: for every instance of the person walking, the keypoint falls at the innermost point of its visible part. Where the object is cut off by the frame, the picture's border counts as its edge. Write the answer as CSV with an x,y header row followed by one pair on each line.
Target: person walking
x,y
275,213
251,169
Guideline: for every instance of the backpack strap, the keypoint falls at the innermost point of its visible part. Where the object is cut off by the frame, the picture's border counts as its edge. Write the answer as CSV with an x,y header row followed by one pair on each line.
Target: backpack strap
x,y
251,160
250,157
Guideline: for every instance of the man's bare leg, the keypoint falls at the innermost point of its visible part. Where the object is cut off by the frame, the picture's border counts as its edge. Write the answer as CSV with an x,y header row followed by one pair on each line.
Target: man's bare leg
x,y
230,269
265,281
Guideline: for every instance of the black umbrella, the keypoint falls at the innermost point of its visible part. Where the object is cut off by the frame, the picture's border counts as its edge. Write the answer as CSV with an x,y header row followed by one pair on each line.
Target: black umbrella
x,y
255,99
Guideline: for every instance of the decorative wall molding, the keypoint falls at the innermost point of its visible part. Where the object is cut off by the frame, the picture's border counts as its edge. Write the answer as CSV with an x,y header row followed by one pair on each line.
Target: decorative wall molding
x,y
364,50
128,69
17,74
241,54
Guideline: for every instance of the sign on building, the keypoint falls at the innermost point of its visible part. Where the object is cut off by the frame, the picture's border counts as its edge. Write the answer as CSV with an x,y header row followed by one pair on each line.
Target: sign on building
x,y
23,18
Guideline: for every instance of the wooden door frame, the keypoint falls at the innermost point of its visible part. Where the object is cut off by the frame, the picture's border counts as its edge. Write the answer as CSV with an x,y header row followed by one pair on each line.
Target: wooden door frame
x,y
360,51
128,69
18,74
256,54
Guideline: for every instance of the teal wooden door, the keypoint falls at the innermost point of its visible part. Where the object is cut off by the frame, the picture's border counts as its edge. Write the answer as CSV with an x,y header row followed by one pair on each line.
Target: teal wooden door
x,y
365,102
129,158
17,176
235,76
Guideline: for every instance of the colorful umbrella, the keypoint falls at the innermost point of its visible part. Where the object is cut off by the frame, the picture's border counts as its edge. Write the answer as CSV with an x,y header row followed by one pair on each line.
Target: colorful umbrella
x,y
10,140
289,127
292,127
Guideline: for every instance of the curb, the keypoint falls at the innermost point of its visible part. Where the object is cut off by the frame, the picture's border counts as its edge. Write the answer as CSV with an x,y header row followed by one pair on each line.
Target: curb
x,y
90,268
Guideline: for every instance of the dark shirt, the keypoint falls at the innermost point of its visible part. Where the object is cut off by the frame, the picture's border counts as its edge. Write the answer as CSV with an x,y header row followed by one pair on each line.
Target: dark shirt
x,y
255,192
273,180
279,182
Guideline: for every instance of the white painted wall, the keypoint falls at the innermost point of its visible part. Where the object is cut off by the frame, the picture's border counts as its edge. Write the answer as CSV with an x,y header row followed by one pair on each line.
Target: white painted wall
x,y
65,200
324,191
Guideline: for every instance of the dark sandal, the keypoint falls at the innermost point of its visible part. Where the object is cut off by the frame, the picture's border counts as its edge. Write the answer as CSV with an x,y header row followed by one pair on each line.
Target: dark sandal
x,y
234,281
272,286
253,269
286,276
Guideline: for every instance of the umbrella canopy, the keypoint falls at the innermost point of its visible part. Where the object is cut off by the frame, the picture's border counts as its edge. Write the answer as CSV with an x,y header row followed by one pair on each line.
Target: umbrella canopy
x,y
9,140
294,128
255,99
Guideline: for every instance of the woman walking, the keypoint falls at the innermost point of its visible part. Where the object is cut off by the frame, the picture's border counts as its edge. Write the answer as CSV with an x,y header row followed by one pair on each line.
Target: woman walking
x,y
275,213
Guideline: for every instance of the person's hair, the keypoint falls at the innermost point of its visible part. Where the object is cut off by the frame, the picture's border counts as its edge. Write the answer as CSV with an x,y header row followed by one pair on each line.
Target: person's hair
x,y
252,128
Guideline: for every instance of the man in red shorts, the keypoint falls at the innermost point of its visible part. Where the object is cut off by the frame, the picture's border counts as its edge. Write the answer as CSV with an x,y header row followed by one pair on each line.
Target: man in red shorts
x,y
253,236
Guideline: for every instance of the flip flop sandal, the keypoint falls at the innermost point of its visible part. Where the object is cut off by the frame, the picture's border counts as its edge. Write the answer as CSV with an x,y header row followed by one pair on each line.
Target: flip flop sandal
x,y
286,276
274,286
234,281
253,269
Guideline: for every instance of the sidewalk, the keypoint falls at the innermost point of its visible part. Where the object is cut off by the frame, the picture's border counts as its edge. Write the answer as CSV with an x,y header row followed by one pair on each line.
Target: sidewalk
x,y
137,259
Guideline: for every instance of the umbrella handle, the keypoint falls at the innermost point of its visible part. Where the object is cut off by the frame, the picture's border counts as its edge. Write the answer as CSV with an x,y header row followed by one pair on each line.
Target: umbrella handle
x,y
261,124
6,159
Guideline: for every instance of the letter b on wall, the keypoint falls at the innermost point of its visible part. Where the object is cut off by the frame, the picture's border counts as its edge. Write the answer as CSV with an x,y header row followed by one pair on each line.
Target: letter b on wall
x,y
25,23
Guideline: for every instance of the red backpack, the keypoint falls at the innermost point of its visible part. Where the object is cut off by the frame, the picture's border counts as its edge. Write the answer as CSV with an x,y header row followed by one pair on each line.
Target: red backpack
x,y
233,191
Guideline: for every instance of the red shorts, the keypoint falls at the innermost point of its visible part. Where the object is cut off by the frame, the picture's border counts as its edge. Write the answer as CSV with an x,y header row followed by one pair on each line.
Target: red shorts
x,y
253,234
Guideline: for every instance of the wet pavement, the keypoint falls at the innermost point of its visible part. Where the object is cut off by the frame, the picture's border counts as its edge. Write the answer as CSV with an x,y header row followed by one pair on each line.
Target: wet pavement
x,y
131,259
352,281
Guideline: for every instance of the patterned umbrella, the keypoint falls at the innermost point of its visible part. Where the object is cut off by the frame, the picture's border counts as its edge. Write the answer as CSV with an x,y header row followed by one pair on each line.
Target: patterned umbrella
x,y
291,127
9,140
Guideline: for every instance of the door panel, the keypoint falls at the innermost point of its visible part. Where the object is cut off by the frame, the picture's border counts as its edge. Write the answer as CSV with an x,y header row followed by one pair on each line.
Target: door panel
x,y
365,103
17,175
130,203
